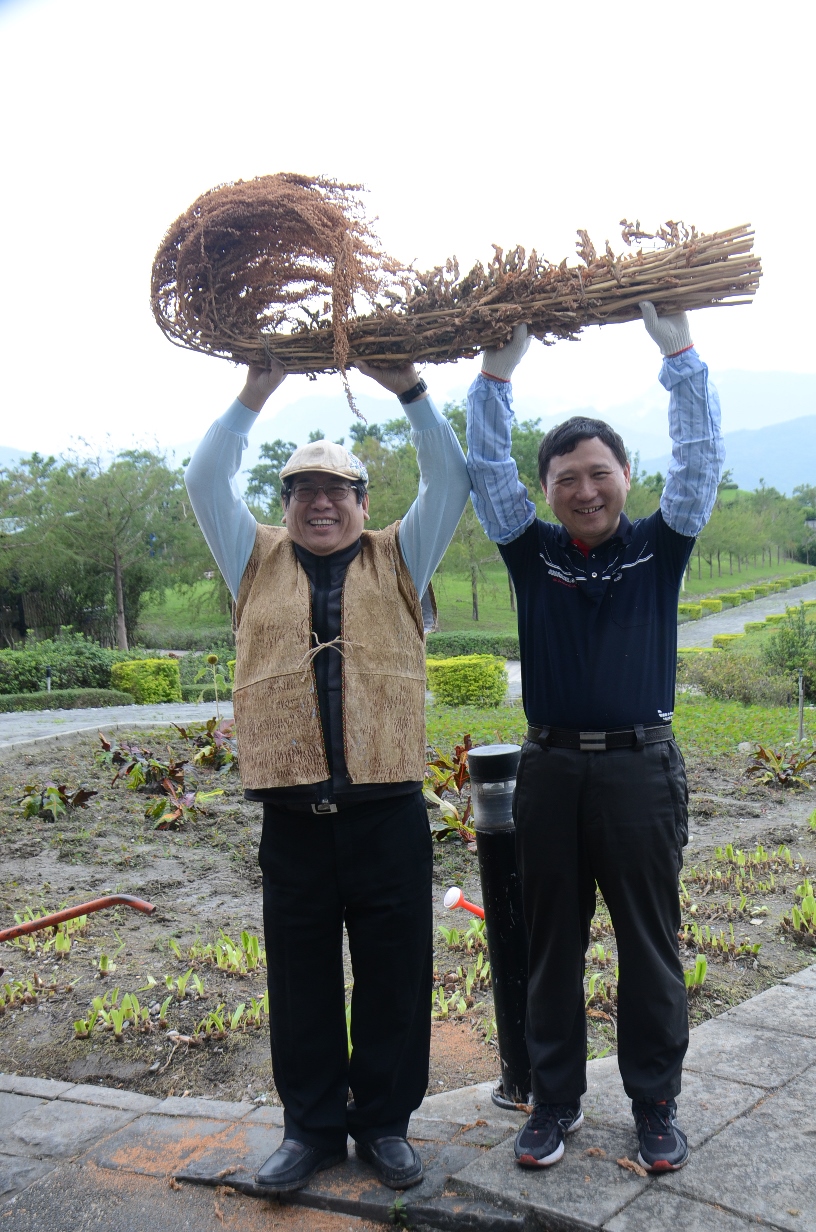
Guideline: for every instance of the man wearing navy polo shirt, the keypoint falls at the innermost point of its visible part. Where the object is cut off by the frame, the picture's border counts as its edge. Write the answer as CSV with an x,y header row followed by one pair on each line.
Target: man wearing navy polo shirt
x,y
601,794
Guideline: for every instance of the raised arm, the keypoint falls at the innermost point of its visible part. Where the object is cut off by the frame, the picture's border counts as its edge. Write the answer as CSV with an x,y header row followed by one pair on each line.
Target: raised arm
x,y
694,426
499,497
444,484
222,513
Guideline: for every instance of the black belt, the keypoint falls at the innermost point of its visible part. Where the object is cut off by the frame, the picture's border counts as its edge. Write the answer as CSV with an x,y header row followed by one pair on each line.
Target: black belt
x,y
296,807
598,741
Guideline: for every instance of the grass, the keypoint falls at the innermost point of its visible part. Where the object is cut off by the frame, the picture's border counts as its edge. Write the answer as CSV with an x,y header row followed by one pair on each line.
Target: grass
x,y
703,724
192,612
454,604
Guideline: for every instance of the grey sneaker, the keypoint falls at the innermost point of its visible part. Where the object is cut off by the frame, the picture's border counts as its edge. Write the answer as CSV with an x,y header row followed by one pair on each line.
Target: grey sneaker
x,y
540,1142
663,1145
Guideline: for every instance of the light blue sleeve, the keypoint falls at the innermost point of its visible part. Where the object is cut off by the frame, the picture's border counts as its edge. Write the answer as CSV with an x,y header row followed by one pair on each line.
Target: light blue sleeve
x,y
499,497
222,513
698,452
444,485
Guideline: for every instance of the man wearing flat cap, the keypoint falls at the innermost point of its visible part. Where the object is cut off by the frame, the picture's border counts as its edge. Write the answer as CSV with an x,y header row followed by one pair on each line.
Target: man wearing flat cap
x,y
330,715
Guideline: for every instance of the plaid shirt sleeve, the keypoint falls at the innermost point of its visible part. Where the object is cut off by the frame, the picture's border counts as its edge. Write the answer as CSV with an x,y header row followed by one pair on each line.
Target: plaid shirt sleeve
x,y
499,497
697,445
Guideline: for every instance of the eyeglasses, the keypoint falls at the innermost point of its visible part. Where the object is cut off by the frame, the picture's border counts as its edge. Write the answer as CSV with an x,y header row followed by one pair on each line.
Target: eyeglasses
x,y
307,492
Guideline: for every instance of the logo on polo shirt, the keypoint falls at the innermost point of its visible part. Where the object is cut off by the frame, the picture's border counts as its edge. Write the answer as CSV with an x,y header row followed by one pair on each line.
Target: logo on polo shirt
x,y
564,576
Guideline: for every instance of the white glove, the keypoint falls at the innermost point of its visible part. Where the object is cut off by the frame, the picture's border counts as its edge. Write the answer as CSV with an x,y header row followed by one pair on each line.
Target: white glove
x,y
671,334
500,362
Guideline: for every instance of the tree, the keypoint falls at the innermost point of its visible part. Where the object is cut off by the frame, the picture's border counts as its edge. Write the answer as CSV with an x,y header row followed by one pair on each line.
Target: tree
x,y
118,522
264,483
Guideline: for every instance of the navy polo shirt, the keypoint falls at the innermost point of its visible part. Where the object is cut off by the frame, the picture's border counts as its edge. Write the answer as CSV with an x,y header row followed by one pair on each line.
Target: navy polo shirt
x,y
598,634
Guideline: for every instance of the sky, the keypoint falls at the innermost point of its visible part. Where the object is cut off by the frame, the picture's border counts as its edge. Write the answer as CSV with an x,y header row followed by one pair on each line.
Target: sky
x,y
469,123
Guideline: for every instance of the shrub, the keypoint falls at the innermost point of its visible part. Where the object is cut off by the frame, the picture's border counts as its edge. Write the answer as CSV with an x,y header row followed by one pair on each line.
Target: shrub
x,y
710,606
808,603
762,589
63,699
730,677
692,611
75,662
695,650
468,680
451,645
776,618
734,599
149,680
749,594
159,637
724,640
754,626
793,648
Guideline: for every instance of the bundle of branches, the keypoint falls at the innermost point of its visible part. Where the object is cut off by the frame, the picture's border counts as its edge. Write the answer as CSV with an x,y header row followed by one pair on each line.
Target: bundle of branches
x,y
242,273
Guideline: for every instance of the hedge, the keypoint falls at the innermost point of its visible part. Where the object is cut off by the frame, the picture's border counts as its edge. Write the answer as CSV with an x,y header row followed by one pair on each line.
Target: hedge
x,y
159,637
776,618
451,645
754,626
691,610
695,650
468,680
710,606
149,680
724,640
63,699
75,662
749,594
731,599
762,589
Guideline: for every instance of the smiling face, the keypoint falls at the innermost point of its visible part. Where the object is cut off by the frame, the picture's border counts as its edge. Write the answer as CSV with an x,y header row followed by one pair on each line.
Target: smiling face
x,y
586,490
323,526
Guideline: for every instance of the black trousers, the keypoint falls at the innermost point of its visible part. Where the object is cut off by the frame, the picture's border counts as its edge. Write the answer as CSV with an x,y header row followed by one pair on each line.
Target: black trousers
x,y
370,868
618,818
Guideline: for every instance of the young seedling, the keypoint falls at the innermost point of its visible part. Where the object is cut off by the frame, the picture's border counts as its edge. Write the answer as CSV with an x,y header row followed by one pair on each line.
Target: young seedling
x,y
695,978
801,923
53,799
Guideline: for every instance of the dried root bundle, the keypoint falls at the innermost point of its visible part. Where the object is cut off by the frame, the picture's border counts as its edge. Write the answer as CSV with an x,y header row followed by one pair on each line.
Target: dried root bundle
x,y
246,271
253,261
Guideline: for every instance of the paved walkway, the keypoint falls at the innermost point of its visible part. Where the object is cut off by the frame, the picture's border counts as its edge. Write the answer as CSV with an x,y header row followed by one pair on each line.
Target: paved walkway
x,y
26,726
732,620
83,1157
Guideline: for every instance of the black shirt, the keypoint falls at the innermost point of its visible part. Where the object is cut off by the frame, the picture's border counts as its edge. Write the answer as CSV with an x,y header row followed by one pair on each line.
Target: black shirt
x,y
598,634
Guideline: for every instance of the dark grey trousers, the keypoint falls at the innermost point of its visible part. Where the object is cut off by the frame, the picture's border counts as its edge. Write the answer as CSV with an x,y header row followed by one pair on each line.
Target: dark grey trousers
x,y
618,818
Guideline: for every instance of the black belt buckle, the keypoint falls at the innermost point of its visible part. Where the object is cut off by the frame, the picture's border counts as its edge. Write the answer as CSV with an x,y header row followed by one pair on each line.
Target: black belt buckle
x,y
324,807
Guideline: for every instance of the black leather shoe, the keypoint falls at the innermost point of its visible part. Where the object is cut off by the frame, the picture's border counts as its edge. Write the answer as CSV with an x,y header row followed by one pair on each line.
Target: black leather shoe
x,y
393,1159
294,1164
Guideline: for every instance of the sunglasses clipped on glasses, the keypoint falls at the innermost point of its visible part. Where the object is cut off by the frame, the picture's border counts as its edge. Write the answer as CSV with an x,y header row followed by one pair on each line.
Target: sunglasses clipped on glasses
x,y
307,492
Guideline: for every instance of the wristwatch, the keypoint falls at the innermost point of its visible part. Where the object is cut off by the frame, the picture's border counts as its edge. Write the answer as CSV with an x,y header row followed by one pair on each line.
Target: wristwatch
x,y
413,393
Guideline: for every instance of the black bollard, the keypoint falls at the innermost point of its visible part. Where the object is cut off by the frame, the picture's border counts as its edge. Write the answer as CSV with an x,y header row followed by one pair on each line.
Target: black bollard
x,y
493,777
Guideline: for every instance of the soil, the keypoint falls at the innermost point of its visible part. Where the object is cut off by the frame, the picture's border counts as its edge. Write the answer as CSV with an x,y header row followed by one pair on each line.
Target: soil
x,y
204,881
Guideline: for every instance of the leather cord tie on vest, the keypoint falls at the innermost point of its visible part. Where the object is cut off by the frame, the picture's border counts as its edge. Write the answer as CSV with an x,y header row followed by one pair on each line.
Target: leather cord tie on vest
x,y
336,643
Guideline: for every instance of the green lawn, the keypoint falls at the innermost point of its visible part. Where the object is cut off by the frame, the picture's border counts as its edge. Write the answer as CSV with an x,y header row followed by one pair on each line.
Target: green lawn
x,y
708,726
455,606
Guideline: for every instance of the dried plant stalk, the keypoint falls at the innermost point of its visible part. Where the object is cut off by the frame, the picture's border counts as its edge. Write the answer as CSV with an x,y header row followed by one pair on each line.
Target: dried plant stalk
x,y
239,274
